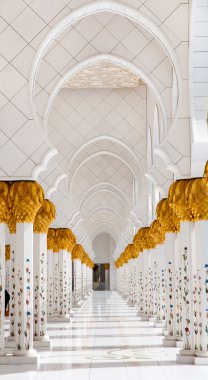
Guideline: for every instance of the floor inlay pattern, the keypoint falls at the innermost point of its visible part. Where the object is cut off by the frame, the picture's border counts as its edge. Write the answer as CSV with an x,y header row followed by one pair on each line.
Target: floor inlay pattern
x,y
105,339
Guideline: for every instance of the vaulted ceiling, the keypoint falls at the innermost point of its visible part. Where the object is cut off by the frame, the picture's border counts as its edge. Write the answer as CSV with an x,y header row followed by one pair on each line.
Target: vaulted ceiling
x,y
80,83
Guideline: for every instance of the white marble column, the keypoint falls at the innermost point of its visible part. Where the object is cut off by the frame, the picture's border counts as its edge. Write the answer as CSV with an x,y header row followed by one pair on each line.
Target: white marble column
x,y
7,267
132,282
170,336
64,284
153,272
161,286
140,279
84,281
24,290
2,286
56,303
40,287
77,283
146,281
186,354
178,288
70,311
201,292
50,284
91,279
12,285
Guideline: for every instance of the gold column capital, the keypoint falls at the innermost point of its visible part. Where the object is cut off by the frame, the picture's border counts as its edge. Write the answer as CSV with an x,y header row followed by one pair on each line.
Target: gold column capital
x,y
26,198
51,238
65,239
44,217
4,202
166,216
77,252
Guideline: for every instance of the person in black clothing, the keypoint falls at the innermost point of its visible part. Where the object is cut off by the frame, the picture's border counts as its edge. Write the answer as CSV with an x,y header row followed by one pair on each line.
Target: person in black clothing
x,y
7,298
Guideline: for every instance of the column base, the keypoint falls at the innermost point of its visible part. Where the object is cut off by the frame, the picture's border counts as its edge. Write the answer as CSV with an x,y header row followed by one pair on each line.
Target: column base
x,y
140,314
42,342
185,356
77,306
152,318
9,359
201,358
131,304
25,353
37,344
160,323
145,318
169,341
179,343
10,338
59,319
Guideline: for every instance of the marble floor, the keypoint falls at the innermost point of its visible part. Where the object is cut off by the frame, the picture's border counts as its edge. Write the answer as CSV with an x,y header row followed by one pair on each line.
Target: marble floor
x,y
105,341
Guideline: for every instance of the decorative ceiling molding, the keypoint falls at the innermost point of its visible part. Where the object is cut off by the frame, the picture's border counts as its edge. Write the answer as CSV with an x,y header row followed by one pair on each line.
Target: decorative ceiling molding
x,y
54,188
102,226
106,209
116,8
43,166
121,144
97,154
103,75
167,162
152,179
107,186
123,63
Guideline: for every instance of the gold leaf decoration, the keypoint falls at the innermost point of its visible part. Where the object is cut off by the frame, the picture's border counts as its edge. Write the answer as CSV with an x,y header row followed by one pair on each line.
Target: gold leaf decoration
x,y
4,202
44,217
26,198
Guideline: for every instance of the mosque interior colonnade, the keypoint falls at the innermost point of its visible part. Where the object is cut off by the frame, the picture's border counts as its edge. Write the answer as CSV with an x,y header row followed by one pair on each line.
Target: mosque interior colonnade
x,y
104,189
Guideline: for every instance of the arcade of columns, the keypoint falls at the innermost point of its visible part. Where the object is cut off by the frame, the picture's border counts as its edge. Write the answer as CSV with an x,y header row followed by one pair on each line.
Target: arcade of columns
x,y
164,272
36,269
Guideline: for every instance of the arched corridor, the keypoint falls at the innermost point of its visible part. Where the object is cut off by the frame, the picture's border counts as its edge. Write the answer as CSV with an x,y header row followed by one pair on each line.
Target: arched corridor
x,y
104,189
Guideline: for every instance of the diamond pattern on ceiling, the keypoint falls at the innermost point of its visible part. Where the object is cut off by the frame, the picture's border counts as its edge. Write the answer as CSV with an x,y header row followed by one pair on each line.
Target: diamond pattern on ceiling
x,y
80,115
23,25
97,170
99,35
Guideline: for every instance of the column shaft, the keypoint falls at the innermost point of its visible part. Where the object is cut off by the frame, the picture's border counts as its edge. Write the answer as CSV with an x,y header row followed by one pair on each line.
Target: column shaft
x,y
40,286
24,290
2,286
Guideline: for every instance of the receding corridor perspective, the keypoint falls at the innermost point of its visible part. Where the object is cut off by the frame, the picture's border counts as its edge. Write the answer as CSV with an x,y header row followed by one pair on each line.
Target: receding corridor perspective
x,y
104,189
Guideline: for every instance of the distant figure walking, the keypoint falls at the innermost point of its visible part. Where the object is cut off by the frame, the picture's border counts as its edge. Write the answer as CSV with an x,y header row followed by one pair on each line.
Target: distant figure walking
x,y
7,298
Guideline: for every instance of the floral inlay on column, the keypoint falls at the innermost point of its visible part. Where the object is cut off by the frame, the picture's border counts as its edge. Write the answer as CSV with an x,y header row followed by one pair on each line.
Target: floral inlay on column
x,y
197,289
186,291
19,308
164,287
178,275
140,292
27,327
206,292
170,298
26,198
12,294
155,288
4,216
